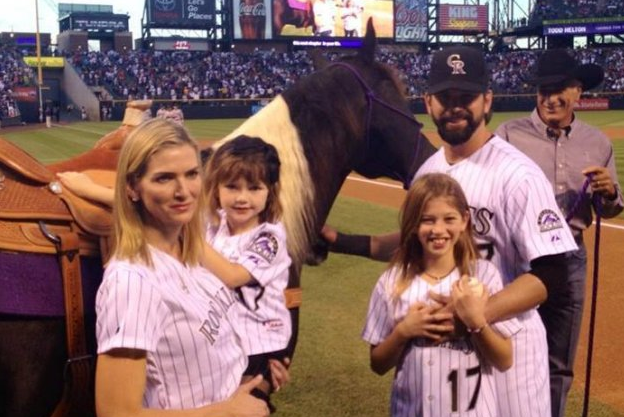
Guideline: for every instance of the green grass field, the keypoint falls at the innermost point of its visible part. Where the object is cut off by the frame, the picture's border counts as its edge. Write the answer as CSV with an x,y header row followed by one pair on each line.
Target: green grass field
x,y
330,370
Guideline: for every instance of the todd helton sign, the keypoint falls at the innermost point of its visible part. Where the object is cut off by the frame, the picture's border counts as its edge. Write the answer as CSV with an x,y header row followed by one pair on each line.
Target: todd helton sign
x,y
182,13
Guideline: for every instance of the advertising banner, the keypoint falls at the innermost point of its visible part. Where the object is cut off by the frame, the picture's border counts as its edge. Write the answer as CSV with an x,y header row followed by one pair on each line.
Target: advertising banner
x,y
592,104
252,19
89,23
25,94
581,29
410,20
181,45
197,14
46,61
463,18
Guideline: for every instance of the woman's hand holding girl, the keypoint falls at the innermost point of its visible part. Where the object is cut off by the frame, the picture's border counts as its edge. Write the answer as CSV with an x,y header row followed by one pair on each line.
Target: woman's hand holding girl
x,y
243,404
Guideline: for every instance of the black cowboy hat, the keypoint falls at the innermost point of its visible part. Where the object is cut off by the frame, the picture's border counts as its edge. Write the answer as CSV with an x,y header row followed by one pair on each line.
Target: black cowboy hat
x,y
557,66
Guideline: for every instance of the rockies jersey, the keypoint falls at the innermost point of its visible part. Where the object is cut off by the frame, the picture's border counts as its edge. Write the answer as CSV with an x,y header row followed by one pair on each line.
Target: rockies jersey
x,y
435,380
515,220
264,320
182,318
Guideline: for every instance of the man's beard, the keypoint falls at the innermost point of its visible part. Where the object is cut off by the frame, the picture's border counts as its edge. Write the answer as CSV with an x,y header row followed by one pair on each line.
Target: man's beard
x,y
456,137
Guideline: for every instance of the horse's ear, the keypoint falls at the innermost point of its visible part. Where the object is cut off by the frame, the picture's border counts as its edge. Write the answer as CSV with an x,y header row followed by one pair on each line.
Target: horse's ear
x,y
367,53
318,60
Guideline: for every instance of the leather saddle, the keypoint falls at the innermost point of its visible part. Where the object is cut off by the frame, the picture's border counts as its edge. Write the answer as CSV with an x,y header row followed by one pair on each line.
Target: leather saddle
x,y
38,215
30,195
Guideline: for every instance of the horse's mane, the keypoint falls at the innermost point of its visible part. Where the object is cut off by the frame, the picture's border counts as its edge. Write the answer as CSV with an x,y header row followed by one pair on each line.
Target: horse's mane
x,y
273,125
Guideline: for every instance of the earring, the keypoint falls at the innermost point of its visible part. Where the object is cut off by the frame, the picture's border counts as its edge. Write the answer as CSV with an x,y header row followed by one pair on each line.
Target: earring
x,y
134,199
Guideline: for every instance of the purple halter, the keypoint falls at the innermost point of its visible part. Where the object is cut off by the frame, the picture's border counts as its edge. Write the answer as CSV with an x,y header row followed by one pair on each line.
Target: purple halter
x,y
372,97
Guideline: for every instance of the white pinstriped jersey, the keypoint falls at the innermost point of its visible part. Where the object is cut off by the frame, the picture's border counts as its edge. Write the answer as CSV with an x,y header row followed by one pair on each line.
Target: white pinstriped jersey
x,y
264,321
182,317
515,220
431,380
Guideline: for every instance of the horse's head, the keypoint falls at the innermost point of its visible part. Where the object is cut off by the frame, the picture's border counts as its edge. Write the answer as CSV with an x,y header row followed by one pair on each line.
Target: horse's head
x,y
391,143
348,115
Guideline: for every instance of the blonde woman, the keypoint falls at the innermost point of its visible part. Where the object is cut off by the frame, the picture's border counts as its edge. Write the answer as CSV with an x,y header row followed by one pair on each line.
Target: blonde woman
x,y
166,344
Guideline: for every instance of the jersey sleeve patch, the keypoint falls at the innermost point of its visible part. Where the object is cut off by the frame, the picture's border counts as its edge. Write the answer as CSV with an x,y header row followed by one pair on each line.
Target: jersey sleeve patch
x,y
548,221
265,245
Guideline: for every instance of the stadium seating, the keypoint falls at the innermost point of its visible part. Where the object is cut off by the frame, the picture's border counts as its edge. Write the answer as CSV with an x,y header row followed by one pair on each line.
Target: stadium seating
x,y
575,9
12,73
185,76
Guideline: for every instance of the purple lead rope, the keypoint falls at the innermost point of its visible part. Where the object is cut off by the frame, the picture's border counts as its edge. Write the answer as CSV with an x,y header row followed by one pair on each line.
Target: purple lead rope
x,y
597,202
577,203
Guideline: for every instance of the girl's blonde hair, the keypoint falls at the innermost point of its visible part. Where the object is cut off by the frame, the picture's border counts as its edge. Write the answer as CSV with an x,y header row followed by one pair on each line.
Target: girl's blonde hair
x,y
129,219
409,257
249,158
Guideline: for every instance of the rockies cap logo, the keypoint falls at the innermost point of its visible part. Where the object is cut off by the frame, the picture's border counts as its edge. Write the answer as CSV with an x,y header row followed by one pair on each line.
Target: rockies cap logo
x,y
454,61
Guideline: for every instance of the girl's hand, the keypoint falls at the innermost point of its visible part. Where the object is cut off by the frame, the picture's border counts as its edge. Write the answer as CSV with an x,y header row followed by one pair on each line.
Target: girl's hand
x,y
423,320
76,182
469,306
279,373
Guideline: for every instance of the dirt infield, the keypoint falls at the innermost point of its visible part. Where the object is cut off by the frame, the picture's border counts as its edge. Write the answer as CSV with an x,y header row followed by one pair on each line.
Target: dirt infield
x,y
614,133
607,368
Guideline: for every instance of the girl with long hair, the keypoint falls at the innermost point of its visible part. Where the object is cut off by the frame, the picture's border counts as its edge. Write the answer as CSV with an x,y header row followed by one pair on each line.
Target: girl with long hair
x,y
437,375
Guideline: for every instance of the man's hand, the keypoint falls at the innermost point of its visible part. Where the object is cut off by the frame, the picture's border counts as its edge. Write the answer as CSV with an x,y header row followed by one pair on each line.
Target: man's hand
x,y
601,181
329,234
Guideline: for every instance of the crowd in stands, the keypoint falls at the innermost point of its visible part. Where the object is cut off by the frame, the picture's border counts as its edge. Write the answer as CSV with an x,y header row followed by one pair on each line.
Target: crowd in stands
x,y
263,74
13,73
185,76
575,9
191,75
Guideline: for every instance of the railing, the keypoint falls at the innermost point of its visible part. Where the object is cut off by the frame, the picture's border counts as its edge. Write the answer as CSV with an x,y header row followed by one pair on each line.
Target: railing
x,y
245,107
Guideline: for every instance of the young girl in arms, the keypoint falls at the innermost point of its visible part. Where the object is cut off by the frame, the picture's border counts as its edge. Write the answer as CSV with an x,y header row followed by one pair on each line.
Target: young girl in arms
x,y
437,376
166,341
247,246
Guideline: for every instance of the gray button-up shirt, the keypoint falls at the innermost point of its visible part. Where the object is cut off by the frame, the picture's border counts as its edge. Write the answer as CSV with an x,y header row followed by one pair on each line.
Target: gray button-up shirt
x,y
562,159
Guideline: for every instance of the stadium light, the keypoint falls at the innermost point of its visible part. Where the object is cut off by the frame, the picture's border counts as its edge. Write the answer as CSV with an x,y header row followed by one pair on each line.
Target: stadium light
x,y
39,71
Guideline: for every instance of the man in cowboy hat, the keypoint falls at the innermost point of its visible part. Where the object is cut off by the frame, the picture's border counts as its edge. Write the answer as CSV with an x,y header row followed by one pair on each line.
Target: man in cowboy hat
x,y
569,152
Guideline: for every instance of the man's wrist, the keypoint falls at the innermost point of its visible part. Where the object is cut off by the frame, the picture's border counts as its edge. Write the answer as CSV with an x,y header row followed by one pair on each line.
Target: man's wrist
x,y
351,245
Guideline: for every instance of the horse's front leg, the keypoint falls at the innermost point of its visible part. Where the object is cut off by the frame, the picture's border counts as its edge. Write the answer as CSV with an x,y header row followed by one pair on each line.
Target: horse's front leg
x,y
32,358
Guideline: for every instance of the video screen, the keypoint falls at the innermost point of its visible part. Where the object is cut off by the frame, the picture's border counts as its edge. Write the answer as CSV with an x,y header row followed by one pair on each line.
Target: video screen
x,y
331,18
252,19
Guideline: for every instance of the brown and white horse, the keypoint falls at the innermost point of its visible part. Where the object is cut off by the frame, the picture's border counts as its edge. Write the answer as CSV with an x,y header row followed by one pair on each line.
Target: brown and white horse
x,y
348,115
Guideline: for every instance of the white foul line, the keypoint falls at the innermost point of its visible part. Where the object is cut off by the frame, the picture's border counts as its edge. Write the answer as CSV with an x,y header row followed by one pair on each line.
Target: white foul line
x,y
381,183
400,187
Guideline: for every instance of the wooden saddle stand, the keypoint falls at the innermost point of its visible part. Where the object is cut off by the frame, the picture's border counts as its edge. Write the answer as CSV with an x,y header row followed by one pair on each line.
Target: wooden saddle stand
x,y
38,216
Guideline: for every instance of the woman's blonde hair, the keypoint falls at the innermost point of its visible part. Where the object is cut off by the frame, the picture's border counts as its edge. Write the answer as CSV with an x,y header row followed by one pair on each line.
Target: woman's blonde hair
x,y
145,141
249,158
409,257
